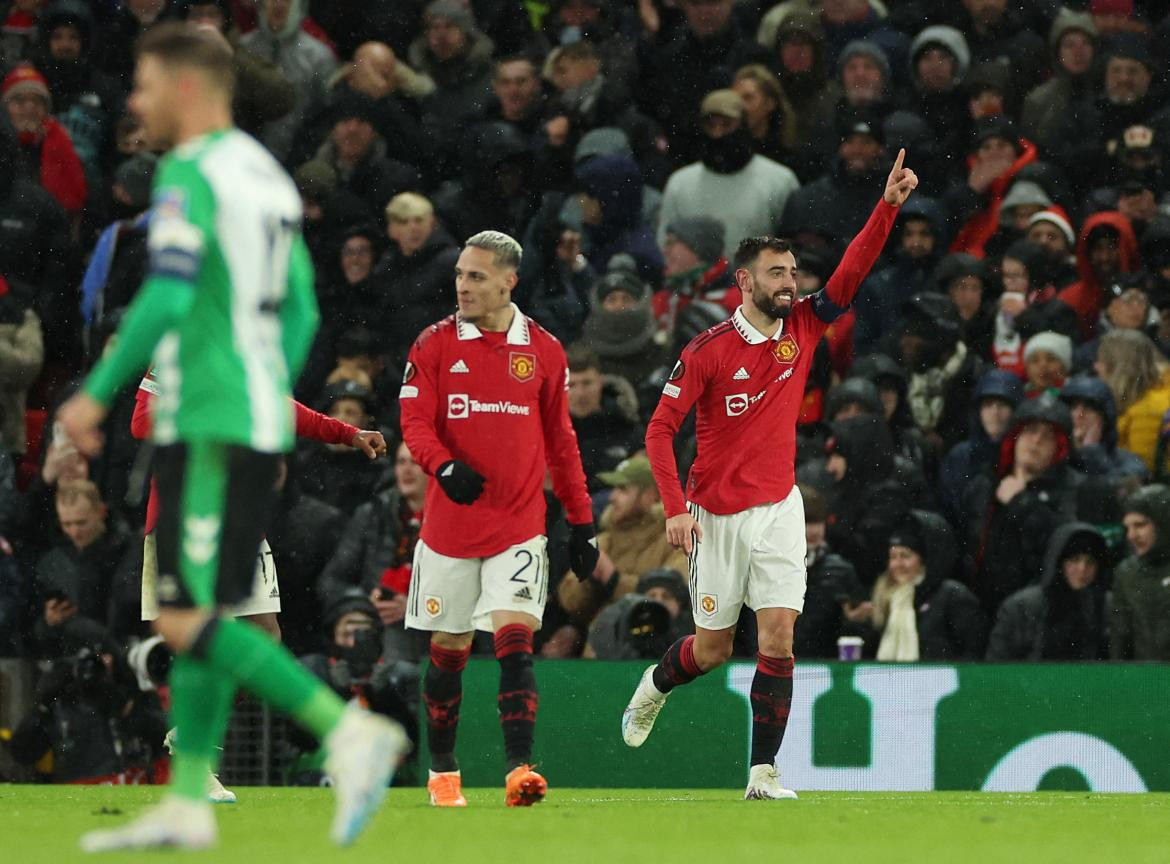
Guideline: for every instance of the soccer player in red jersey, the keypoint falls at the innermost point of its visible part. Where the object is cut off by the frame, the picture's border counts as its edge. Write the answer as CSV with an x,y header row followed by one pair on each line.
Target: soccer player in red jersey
x,y
484,411
742,520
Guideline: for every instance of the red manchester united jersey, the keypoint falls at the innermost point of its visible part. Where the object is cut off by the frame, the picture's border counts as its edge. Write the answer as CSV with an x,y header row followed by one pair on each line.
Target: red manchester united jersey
x,y
747,391
497,402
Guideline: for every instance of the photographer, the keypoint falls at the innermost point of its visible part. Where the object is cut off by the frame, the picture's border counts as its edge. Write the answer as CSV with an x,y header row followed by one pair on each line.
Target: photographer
x,y
641,625
89,714
353,665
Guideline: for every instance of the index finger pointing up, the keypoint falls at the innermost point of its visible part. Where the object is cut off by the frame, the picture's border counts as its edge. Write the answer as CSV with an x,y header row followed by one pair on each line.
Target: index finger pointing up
x,y
898,161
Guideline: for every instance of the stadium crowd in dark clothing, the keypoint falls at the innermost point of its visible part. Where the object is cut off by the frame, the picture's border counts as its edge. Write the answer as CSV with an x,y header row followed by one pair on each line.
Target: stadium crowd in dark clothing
x,y
983,438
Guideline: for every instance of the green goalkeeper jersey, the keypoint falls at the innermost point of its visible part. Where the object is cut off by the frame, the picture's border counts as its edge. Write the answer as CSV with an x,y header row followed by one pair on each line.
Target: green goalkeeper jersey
x,y
231,279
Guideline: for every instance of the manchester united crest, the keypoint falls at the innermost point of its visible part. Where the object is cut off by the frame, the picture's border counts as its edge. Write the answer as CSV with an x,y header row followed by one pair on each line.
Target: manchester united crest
x,y
522,366
433,605
786,350
709,603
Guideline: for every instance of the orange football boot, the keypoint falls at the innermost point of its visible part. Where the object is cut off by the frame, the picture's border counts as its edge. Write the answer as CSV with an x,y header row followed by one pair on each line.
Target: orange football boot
x,y
523,787
446,789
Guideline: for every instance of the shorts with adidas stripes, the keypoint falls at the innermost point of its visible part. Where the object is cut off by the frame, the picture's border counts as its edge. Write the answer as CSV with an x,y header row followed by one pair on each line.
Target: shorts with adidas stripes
x,y
265,597
458,595
753,558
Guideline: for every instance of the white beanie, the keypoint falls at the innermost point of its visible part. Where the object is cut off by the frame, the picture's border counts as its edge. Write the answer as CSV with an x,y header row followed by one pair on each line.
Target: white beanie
x,y
1056,344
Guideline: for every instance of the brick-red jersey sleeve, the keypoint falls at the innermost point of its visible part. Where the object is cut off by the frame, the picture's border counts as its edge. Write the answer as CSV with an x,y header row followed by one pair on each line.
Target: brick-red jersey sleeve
x,y
858,259
560,441
419,404
322,427
140,423
678,396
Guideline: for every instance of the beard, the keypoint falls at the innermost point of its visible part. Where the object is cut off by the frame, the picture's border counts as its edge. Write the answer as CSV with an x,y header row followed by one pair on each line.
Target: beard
x,y
768,304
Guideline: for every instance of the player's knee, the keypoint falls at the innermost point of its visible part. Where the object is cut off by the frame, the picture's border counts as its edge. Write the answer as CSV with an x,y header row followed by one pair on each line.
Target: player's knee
x,y
452,641
180,627
776,643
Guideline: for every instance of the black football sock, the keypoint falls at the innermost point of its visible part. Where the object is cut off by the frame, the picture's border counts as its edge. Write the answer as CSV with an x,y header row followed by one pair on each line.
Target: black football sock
x,y
771,701
442,693
677,665
518,698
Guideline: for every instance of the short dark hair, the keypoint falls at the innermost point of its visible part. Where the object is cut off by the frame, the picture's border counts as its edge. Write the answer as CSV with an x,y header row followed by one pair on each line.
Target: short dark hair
x,y
177,43
582,358
750,248
816,508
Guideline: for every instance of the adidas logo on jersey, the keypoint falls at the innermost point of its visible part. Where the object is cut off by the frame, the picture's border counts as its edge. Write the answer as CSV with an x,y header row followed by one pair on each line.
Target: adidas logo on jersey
x,y
459,366
741,375
523,594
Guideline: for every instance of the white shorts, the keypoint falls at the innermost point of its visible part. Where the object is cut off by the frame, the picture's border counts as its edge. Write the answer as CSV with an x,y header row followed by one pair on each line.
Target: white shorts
x,y
755,557
265,587
458,595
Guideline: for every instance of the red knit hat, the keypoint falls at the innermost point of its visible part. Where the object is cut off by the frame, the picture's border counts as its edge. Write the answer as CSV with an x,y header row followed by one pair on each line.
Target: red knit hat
x,y
25,79
1058,217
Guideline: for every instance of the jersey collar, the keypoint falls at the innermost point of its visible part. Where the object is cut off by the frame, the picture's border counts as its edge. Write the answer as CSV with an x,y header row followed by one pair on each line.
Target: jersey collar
x,y
517,331
750,334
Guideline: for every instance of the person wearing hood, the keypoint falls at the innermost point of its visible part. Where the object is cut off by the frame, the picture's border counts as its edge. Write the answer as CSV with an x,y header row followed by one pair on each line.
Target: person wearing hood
x,y
1106,247
867,496
1094,425
632,542
457,56
1128,306
921,239
830,210
996,396
306,62
834,597
122,29
413,278
601,23
919,610
85,101
1063,617
1139,622
939,60
621,326
1024,199
495,191
1002,36
966,280
996,155
680,65
1027,306
1073,43
797,45
44,145
943,370
604,412
863,82
892,382
749,191
1009,517
359,155
611,198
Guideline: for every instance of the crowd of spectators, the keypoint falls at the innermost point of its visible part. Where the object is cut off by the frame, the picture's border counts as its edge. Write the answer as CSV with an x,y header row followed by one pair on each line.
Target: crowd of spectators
x,y
983,438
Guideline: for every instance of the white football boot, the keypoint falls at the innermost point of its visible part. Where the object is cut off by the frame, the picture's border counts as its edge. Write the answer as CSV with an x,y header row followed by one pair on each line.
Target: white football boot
x,y
639,716
174,823
764,784
364,752
216,793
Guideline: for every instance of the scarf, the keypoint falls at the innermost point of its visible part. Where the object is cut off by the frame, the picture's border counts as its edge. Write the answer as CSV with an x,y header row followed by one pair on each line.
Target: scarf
x,y
900,637
927,391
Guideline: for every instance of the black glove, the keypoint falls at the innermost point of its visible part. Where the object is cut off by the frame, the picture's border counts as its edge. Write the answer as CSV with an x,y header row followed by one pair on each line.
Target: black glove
x,y
583,552
460,481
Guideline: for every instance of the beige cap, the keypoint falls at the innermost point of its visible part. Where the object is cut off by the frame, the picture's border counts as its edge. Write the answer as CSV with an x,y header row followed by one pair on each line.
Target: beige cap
x,y
725,102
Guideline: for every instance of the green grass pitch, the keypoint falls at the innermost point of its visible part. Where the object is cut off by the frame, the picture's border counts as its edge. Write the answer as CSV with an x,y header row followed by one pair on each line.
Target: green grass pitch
x,y
600,826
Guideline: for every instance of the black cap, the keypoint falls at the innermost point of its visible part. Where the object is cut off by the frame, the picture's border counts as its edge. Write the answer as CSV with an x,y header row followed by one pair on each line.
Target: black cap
x,y
347,388
860,121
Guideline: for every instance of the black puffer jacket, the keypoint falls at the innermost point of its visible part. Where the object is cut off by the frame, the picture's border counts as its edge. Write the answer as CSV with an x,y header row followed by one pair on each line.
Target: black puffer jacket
x,y
1050,621
373,541
416,290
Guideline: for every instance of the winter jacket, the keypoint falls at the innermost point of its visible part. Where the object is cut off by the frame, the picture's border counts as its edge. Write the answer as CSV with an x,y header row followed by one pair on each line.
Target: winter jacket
x,y
1139,626
416,290
55,163
1047,106
375,179
121,33
1105,459
1006,543
344,478
616,183
373,541
977,453
950,624
307,64
835,205
21,354
831,581
1141,423
981,227
1086,295
611,434
1050,621
635,550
